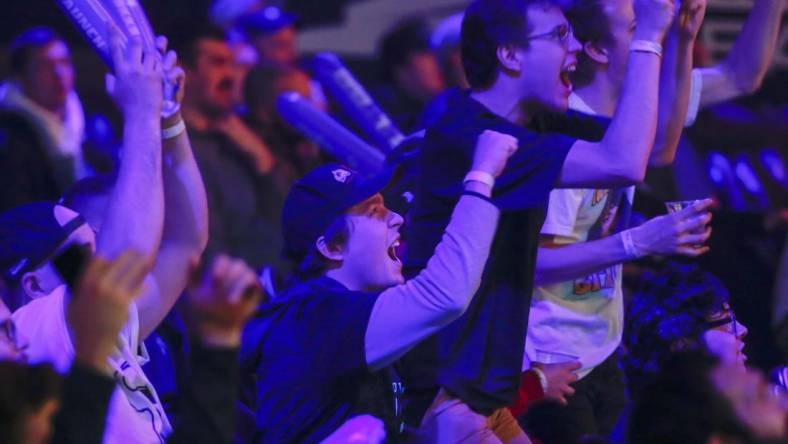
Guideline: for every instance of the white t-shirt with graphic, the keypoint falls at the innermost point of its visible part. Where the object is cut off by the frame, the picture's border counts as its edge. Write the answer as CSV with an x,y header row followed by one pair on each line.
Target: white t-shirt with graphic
x,y
581,319
135,413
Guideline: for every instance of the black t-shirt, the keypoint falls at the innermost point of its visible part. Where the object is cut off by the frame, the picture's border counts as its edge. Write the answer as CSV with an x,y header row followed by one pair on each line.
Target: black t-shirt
x,y
310,364
478,357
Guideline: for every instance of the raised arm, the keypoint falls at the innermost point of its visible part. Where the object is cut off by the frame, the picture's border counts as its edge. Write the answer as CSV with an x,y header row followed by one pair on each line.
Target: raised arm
x,y
621,157
135,212
408,313
743,69
185,232
560,261
676,81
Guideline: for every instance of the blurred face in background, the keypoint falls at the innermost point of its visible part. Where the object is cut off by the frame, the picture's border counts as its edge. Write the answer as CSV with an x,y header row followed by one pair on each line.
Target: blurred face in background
x,y
420,77
752,399
211,85
48,77
279,47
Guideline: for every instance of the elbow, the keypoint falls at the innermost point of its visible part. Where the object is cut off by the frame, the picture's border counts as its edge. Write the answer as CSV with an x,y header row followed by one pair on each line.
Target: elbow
x,y
660,160
457,307
747,85
630,176
744,79
636,175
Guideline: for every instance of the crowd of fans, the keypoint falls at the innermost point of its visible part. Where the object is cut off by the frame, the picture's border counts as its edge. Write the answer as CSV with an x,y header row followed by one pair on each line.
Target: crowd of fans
x,y
216,277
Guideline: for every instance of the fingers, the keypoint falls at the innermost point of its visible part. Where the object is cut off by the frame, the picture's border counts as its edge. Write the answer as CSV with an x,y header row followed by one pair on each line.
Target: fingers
x,y
161,44
692,251
697,207
695,238
169,61
572,366
116,49
694,222
239,278
127,273
133,54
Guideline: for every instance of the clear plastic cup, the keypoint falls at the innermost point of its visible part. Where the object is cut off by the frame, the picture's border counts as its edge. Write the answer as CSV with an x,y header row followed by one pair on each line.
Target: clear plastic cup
x,y
674,206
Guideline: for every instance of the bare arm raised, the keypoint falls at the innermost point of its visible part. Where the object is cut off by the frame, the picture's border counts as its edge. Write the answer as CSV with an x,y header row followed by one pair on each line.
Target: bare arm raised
x,y
135,212
621,157
185,231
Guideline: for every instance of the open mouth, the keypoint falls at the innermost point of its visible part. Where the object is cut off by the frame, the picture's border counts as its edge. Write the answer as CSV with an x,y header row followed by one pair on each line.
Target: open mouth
x,y
566,75
392,252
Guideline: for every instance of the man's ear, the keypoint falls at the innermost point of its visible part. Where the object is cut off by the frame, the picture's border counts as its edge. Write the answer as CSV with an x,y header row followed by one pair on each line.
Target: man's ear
x,y
31,285
329,252
595,52
509,58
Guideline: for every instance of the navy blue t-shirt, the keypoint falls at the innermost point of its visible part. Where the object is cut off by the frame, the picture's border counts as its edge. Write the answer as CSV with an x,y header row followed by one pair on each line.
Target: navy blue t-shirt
x,y
478,357
309,359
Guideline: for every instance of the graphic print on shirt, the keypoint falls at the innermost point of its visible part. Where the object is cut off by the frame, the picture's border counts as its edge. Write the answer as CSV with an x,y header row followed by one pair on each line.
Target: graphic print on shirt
x,y
140,396
605,225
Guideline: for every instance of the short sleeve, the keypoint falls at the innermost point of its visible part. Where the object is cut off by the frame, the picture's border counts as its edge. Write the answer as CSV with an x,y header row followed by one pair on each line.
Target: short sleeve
x,y
532,171
562,212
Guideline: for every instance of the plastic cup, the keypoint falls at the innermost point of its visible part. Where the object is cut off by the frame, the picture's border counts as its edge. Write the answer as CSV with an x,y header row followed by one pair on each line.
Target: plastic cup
x,y
674,206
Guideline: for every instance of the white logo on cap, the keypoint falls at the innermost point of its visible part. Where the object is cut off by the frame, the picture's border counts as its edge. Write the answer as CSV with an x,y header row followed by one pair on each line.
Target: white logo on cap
x,y
341,175
19,265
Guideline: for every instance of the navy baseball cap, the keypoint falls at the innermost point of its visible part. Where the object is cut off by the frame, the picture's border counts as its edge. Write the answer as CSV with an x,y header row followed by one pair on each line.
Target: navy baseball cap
x,y
265,21
29,235
319,198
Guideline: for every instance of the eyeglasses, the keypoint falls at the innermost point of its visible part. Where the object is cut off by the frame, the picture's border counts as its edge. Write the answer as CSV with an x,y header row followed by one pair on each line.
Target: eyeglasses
x,y
730,320
561,33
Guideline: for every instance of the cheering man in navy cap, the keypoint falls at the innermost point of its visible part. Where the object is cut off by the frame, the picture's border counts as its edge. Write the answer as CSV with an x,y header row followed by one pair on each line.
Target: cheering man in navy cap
x,y
325,344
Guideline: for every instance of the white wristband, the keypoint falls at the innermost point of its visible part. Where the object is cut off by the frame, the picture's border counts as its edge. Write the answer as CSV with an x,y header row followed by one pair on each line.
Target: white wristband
x,y
542,378
646,46
629,246
173,131
480,176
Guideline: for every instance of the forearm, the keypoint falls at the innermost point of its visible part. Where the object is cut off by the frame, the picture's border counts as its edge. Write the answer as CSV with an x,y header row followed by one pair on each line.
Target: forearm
x,y
185,232
186,204
408,313
743,69
572,261
674,91
621,157
630,137
135,212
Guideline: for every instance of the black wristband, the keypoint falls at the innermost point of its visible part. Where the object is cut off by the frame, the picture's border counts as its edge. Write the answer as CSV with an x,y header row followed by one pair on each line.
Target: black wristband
x,y
477,194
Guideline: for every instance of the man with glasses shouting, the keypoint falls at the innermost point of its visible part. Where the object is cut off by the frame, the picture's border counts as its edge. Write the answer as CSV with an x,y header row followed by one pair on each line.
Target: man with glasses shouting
x,y
517,55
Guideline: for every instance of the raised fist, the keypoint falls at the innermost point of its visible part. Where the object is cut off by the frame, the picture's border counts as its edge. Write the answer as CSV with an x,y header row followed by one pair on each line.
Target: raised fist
x,y
493,150
137,85
653,19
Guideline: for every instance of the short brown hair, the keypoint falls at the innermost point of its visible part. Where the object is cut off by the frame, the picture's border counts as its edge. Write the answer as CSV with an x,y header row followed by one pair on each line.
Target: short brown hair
x,y
589,24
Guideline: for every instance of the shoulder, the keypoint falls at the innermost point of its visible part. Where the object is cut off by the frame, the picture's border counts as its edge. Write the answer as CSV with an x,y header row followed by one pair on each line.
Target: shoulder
x,y
317,298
